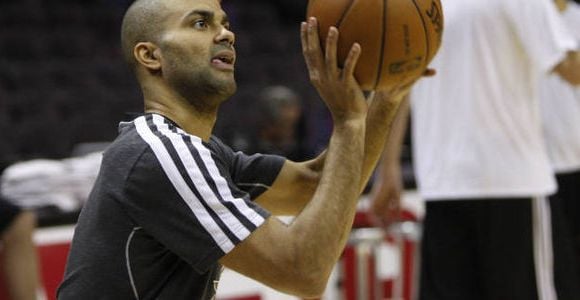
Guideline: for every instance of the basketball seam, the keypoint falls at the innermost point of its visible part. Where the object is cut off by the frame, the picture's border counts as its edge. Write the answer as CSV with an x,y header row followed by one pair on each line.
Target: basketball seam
x,y
427,44
382,52
344,13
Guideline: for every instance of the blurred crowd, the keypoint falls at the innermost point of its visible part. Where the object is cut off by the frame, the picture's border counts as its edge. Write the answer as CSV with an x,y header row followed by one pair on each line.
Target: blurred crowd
x,y
63,82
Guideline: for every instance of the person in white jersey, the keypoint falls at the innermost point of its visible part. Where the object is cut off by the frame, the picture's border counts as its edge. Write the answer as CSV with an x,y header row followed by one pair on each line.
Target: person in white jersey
x,y
479,153
560,107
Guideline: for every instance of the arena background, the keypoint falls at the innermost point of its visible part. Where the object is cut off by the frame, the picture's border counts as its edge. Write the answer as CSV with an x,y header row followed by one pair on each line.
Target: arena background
x,y
63,81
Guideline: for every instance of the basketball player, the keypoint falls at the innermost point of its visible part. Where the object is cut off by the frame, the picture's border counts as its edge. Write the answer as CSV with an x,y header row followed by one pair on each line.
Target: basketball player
x,y
172,203
560,107
480,156
19,259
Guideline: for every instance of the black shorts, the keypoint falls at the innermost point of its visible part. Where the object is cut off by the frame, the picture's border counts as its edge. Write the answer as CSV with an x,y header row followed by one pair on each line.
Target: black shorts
x,y
569,195
568,200
8,212
492,249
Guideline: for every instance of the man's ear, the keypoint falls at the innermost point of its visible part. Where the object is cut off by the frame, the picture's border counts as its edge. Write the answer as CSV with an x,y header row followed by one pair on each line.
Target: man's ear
x,y
148,55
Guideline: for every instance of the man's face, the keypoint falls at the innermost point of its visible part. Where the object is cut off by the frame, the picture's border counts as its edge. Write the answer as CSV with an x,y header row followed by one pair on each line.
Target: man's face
x,y
197,50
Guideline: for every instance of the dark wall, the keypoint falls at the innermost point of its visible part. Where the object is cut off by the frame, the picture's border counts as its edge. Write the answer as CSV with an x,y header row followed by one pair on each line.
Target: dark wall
x,y
63,81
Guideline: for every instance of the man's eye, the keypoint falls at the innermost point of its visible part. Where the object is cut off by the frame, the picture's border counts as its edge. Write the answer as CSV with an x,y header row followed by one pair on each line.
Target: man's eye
x,y
200,24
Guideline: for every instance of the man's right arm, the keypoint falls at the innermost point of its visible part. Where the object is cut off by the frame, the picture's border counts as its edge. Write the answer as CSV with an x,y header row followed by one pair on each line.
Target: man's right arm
x,y
298,258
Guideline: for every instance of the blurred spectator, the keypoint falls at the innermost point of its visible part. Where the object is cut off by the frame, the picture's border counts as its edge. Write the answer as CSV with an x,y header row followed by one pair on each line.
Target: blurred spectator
x,y
19,258
560,106
480,154
276,127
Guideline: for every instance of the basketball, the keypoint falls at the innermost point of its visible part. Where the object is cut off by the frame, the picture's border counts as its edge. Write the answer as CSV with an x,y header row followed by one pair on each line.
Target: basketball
x,y
398,37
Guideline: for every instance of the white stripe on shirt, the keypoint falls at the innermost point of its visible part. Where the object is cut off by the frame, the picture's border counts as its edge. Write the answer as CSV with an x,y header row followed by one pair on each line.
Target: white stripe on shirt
x,y
220,182
170,169
199,181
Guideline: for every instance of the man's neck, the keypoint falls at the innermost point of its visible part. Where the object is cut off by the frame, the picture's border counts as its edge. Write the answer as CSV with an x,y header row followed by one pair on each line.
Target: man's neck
x,y
193,121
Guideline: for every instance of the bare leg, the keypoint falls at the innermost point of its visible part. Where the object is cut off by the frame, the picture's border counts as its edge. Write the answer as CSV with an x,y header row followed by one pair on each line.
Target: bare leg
x,y
20,258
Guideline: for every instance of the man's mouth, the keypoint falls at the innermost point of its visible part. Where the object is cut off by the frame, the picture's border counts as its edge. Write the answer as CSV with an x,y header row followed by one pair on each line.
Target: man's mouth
x,y
224,60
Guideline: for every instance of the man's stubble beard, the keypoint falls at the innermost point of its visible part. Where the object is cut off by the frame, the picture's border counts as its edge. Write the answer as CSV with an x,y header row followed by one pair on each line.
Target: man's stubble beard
x,y
202,89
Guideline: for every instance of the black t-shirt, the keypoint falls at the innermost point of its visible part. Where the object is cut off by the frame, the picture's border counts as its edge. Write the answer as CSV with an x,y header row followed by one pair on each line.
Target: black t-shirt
x,y
165,207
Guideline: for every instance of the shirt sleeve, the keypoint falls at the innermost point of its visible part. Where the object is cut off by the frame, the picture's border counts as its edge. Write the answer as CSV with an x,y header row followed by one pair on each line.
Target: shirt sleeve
x,y
540,28
253,174
176,194
256,173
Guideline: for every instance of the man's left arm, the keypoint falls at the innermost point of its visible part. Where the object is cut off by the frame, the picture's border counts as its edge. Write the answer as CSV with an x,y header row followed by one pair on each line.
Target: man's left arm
x,y
297,181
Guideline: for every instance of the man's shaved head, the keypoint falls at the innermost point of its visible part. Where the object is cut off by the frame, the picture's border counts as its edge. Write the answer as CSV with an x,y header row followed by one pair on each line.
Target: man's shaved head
x,y
143,22
183,47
